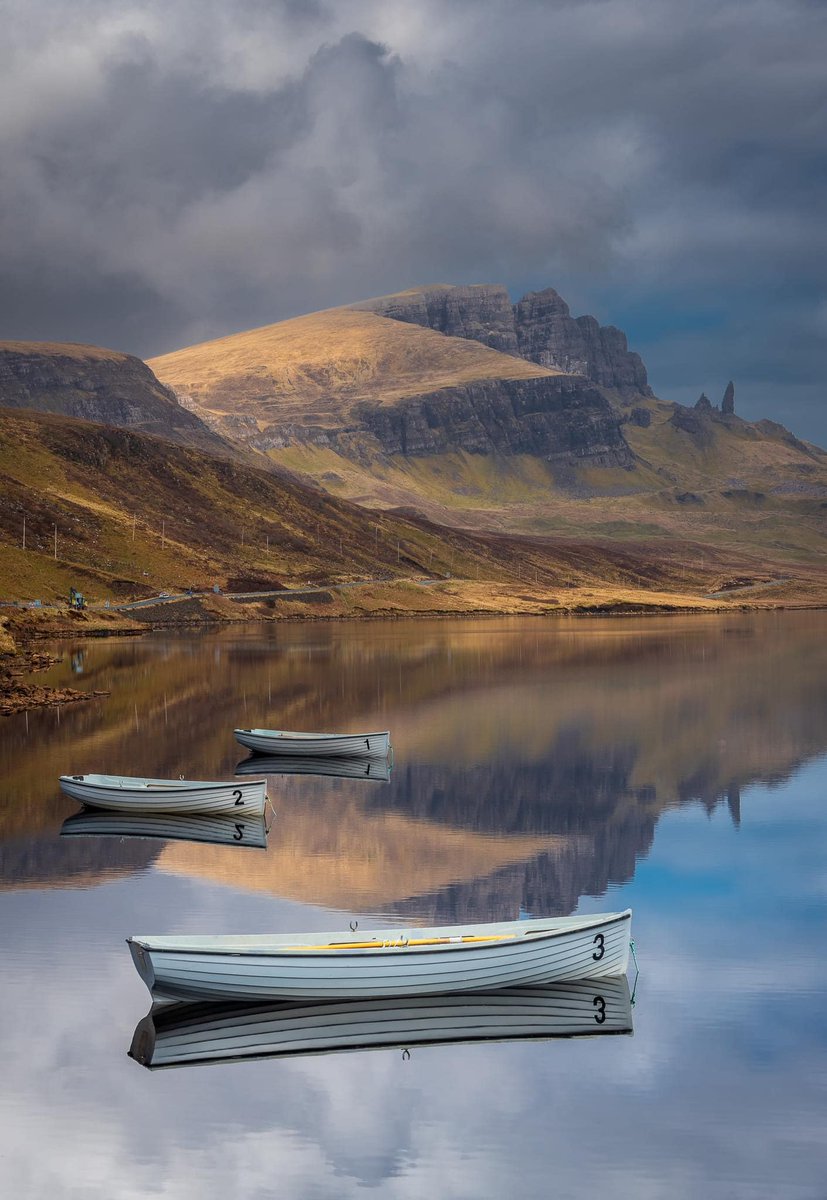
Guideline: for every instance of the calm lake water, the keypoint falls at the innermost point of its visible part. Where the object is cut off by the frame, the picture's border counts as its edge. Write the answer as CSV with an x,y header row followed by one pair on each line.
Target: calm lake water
x,y
676,766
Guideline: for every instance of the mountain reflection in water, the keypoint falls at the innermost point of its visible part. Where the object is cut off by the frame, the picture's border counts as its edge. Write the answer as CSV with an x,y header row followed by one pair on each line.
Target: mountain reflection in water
x,y
533,759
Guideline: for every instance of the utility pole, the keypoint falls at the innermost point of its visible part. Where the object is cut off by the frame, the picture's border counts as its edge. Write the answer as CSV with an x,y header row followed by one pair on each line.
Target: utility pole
x,y
133,527
24,531
55,543
163,534
268,542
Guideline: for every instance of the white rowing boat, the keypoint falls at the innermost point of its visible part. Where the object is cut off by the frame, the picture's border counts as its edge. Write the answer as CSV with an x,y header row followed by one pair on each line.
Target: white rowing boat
x,y
218,829
319,745
128,794
458,958
178,1035
377,769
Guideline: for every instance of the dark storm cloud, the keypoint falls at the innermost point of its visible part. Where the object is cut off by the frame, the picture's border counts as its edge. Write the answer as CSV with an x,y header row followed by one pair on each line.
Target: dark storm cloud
x,y
172,171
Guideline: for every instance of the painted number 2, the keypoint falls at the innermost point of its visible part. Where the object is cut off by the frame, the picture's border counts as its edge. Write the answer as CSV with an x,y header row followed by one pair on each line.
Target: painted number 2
x,y
238,797
600,1004
600,942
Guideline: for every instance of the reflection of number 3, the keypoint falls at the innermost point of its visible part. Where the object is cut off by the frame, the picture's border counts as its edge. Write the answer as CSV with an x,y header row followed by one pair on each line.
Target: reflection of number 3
x,y
600,1004
238,796
599,941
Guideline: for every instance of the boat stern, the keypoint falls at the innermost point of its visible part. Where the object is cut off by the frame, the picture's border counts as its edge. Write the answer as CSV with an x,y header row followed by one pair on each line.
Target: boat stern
x,y
627,943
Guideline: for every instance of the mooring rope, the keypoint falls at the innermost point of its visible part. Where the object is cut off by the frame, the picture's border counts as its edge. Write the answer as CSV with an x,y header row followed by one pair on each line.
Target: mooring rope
x,y
637,970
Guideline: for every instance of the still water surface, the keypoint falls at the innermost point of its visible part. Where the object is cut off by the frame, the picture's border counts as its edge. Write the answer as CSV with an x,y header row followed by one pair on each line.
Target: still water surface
x,y
674,766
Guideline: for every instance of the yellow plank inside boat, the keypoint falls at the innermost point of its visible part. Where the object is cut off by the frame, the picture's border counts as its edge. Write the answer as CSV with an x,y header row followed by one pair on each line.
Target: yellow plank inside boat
x,y
403,943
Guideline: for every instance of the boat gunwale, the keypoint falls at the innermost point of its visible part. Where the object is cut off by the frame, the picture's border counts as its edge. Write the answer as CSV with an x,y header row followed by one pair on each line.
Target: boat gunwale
x,y
160,785
507,941
304,736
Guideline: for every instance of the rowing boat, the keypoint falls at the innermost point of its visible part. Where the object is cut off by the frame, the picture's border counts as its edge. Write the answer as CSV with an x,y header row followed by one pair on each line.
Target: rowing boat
x,y
324,745
458,958
377,769
179,1035
128,794
218,829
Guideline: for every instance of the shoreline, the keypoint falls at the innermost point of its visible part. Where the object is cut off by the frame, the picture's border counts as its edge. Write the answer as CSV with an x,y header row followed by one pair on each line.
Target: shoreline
x,y
21,628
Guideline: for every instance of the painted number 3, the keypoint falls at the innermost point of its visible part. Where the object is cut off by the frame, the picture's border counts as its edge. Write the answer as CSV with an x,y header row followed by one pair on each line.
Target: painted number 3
x,y
600,942
600,1004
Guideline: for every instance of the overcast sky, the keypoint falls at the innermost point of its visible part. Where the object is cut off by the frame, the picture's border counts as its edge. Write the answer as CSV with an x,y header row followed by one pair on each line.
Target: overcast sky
x,y
171,170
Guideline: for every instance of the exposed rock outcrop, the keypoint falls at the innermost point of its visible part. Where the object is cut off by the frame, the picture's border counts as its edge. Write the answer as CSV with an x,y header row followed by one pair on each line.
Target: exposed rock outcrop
x,y
556,418
703,404
694,422
96,385
549,335
539,328
481,312
728,402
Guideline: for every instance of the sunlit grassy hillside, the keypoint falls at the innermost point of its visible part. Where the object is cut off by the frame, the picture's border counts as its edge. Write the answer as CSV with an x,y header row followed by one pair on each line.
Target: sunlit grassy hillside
x,y
133,515
315,368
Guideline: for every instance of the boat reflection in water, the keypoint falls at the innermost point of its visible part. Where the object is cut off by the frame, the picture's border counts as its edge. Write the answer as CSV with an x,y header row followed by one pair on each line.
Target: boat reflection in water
x,y
343,768
177,1035
220,829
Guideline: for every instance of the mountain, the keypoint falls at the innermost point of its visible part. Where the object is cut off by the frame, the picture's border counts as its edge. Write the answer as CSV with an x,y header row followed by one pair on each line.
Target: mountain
x,y
121,514
366,387
488,415
97,385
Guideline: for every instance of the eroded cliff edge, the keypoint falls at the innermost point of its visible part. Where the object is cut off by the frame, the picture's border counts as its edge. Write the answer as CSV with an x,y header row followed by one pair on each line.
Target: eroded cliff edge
x,y
539,328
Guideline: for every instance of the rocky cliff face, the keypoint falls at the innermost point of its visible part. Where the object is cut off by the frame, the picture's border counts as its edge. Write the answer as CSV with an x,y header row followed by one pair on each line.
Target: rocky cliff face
x,y
558,418
96,385
549,335
539,328
482,313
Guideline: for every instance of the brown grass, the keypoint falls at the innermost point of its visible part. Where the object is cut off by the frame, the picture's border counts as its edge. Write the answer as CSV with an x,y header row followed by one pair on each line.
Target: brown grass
x,y
74,350
317,367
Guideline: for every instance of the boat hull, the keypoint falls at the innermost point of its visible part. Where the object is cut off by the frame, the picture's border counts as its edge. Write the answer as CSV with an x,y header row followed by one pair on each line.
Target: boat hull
x,y
246,797
513,954
322,745
180,1035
